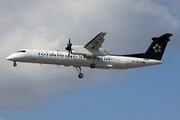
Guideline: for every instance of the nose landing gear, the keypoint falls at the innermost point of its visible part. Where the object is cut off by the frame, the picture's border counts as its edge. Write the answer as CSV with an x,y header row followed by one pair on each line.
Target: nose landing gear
x,y
79,70
14,64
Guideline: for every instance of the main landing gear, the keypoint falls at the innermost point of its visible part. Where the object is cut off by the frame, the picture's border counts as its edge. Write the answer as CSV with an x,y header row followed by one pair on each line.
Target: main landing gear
x,y
79,70
92,65
14,64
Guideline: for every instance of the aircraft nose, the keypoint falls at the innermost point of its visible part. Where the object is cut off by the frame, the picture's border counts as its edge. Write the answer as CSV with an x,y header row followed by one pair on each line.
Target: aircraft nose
x,y
11,57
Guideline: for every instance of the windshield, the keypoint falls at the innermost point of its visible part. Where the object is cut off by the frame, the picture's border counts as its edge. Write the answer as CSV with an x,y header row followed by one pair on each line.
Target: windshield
x,y
21,51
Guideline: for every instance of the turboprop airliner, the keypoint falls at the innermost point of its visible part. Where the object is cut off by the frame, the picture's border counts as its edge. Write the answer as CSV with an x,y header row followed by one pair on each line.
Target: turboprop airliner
x,y
94,56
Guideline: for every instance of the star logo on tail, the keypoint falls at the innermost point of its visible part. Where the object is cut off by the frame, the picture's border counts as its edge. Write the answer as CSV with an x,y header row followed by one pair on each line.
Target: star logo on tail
x,y
157,48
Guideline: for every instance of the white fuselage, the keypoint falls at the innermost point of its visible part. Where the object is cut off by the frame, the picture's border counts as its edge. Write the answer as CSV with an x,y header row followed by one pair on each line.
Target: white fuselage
x,y
61,58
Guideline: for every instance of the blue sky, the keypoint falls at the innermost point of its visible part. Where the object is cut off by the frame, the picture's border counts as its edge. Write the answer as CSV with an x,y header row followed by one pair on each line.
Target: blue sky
x,y
32,91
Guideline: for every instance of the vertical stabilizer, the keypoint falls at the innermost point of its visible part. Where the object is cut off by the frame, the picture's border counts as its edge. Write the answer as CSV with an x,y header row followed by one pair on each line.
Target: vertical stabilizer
x,y
157,48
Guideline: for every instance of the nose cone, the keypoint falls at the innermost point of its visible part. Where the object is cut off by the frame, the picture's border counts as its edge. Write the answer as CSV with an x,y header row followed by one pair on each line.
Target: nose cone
x,y
11,58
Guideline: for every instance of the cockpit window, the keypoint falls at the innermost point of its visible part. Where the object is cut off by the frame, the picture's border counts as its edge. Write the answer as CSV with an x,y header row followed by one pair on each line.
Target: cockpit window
x,y
21,51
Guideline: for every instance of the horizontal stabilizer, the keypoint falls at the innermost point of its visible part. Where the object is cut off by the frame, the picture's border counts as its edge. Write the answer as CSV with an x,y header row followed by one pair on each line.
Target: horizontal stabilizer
x,y
163,37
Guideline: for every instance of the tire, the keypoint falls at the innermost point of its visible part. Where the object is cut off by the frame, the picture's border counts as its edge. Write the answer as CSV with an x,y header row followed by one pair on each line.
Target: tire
x,y
92,65
15,64
80,75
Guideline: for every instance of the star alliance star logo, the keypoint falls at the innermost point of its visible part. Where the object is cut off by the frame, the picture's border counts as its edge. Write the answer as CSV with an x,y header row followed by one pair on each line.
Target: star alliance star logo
x,y
157,48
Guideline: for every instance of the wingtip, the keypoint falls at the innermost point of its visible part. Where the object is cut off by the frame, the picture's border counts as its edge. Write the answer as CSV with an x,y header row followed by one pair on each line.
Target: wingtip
x,y
104,32
168,35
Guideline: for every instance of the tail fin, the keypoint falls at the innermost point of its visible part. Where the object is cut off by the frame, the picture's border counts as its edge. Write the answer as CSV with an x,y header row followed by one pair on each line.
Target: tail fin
x,y
157,48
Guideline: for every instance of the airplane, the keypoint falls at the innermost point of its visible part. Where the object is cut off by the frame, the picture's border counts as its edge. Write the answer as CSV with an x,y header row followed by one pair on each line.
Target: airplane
x,y
94,56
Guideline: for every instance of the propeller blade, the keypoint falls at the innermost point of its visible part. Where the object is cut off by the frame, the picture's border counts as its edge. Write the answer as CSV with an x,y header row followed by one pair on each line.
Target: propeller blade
x,y
69,54
68,48
69,41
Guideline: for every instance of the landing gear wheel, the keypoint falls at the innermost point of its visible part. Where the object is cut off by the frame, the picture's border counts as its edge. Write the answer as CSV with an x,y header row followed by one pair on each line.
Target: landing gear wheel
x,y
15,64
92,65
80,75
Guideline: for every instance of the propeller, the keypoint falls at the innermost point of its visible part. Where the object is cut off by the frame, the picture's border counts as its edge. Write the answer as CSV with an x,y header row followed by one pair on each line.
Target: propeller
x,y
68,48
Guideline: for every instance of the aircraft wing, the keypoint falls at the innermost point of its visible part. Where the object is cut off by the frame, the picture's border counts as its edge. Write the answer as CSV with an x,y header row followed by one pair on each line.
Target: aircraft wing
x,y
96,42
